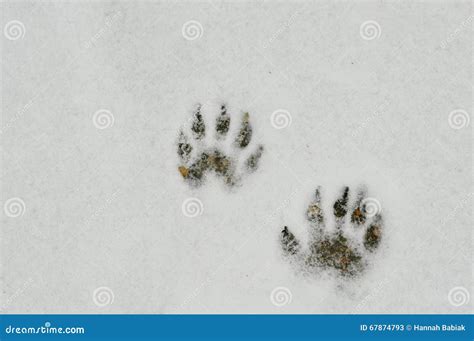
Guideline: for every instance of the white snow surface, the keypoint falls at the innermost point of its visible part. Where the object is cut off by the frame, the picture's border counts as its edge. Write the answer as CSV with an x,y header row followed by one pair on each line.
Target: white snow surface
x,y
103,207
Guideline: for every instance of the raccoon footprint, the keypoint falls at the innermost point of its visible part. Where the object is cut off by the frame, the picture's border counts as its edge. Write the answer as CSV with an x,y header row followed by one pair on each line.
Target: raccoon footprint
x,y
344,250
198,159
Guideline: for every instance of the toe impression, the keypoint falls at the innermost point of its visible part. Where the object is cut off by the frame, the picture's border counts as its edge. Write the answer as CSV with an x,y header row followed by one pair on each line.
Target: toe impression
x,y
222,122
198,127
340,206
289,243
245,133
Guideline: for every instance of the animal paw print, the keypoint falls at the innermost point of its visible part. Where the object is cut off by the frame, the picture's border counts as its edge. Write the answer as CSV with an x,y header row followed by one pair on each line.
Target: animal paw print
x,y
345,250
198,159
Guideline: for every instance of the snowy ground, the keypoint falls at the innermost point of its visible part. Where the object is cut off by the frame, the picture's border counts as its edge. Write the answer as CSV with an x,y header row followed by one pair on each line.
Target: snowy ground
x,y
100,226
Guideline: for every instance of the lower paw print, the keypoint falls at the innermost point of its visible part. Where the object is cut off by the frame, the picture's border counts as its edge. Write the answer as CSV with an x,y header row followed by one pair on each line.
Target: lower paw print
x,y
198,158
345,250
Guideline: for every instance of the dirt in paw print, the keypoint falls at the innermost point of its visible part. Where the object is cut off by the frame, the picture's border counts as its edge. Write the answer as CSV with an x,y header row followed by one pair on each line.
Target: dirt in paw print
x,y
357,234
221,158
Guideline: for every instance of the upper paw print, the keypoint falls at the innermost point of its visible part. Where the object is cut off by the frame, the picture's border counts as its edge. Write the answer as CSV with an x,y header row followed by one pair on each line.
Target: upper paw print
x,y
198,159
342,250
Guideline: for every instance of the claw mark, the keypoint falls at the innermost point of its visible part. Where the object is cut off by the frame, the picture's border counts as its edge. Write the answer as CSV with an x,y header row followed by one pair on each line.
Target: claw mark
x,y
374,234
340,206
213,159
289,243
358,214
334,250
198,128
315,215
184,148
222,123
314,212
252,161
245,134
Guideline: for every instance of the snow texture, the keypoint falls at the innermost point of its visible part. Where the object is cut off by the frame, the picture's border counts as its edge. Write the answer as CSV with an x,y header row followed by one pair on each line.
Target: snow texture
x,y
97,218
